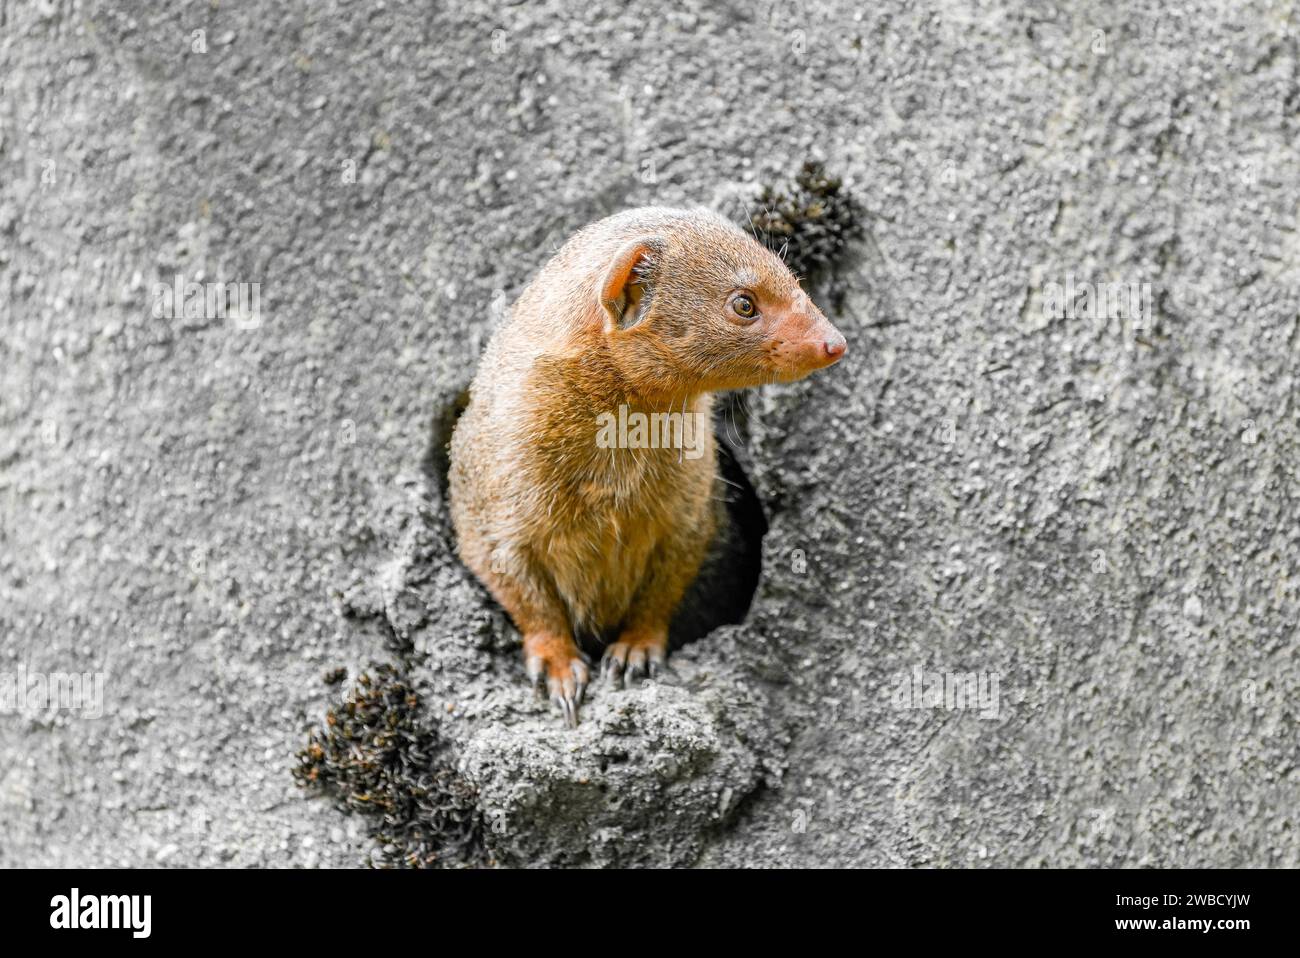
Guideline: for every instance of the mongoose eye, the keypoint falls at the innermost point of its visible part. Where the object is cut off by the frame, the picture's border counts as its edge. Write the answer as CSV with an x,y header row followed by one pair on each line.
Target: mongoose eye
x,y
743,307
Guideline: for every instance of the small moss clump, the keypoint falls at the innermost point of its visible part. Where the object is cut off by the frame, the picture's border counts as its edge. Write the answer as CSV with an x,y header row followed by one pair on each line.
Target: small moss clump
x,y
378,753
810,223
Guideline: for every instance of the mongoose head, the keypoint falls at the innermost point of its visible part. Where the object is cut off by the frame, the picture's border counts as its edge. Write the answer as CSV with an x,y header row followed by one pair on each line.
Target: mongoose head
x,y
696,304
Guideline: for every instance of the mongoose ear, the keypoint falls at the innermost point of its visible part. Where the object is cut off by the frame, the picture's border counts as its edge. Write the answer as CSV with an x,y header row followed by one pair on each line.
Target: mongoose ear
x,y
627,282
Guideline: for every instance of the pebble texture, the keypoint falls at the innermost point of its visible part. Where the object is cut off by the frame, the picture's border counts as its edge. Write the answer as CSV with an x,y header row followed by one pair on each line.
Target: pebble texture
x,y
1098,513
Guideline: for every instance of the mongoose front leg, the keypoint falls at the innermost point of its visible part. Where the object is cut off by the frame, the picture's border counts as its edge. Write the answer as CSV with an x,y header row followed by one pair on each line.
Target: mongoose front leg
x,y
642,646
555,658
552,659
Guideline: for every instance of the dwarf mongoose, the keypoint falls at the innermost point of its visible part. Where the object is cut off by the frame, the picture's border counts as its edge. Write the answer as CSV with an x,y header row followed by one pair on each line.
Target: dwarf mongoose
x,y
576,521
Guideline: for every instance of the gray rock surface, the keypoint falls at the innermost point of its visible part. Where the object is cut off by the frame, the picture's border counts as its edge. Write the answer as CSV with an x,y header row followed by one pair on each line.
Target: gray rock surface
x,y
1098,514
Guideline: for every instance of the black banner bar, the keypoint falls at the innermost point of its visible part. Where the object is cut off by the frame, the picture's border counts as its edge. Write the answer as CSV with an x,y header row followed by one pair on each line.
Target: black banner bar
x,y
382,909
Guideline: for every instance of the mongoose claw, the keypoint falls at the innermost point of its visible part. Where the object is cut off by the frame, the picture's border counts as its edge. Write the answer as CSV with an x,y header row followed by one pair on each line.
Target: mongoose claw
x,y
568,708
568,692
610,668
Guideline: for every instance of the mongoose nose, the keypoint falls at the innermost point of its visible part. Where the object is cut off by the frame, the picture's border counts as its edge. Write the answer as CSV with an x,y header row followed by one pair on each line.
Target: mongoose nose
x,y
837,347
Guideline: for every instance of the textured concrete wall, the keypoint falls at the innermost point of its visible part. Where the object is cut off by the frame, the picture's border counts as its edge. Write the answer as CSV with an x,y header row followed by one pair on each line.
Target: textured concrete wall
x,y
1097,513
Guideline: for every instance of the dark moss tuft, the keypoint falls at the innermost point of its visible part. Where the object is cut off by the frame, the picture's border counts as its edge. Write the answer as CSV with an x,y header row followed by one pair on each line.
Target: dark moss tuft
x,y
810,223
378,753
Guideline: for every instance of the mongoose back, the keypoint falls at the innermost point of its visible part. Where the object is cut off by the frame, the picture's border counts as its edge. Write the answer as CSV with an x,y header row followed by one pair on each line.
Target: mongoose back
x,y
576,522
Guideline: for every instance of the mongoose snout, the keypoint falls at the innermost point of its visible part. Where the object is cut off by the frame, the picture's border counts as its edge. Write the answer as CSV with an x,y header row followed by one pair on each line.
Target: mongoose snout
x,y
578,529
804,340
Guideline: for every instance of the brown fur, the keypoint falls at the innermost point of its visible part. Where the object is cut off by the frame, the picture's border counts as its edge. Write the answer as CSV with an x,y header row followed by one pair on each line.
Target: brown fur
x,y
570,537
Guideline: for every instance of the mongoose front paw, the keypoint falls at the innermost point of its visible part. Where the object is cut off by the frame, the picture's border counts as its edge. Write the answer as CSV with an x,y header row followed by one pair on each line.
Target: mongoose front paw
x,y
557,660
637,653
